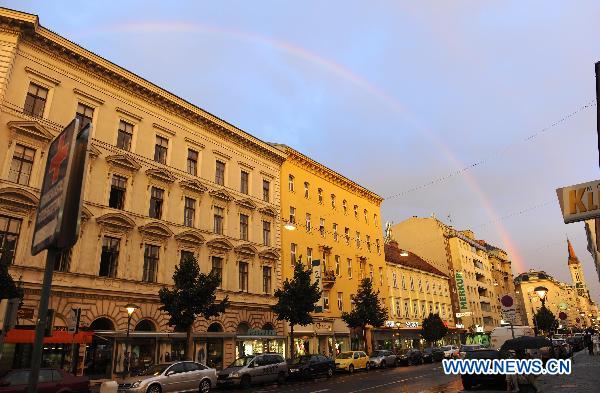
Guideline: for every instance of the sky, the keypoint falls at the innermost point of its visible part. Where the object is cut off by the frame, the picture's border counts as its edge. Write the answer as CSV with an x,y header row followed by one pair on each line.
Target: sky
x,y
399,96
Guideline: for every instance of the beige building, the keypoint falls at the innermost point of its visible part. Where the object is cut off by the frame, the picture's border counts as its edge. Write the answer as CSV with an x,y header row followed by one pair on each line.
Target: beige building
x,y
503,277
464,259
165,180
416,289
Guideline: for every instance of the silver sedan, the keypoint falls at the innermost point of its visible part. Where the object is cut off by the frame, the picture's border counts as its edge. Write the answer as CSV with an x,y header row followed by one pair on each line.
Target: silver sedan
x,y
171,377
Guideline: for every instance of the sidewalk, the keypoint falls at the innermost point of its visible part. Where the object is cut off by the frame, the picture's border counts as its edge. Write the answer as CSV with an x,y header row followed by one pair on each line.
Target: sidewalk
x,y
585,376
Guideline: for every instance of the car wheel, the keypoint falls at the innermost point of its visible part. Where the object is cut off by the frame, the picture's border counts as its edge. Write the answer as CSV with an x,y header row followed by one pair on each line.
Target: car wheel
x,y
383,365
204,386
154,389
245,382
329,372
350,369
281,378
368,367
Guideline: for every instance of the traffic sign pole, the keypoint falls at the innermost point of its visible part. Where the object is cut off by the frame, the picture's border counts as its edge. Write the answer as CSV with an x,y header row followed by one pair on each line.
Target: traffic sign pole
x,y
36,356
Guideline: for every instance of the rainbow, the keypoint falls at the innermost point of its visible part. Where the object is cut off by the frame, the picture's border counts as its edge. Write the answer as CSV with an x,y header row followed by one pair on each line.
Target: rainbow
x,y
342,72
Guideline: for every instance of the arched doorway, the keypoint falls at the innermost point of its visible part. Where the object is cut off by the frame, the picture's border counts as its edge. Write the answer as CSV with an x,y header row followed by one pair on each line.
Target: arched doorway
x,y
210,351
145,325
98,364
142,347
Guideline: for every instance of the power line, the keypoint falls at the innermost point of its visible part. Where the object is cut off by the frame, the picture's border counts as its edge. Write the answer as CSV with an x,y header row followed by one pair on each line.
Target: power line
x,y
496,153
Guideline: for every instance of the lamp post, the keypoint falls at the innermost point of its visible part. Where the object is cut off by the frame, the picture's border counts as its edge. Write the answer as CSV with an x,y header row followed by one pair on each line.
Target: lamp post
x,y
130,310
542,292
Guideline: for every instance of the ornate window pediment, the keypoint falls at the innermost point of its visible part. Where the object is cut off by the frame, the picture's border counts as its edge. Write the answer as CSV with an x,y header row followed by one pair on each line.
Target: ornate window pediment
x,y
222,195
161,174
269,255
93,151
268,211
246,250
193,185
220,244
247,203
124,161
17,199
31,129
155,230
86,214
191,238
118,222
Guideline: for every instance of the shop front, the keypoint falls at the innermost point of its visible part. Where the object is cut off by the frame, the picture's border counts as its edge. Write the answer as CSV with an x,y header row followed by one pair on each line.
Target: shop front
x,y
256,341
328,337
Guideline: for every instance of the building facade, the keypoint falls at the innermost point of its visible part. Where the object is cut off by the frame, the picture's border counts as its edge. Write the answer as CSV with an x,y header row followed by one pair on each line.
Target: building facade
x,y
166,180
337,223
464,259
415,289
504,280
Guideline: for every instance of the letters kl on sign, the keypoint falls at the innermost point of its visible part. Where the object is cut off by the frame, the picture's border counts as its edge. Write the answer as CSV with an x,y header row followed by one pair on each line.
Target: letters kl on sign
x,y
580,202
57,218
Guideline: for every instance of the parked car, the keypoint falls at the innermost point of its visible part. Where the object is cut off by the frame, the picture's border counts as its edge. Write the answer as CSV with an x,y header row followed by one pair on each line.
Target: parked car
x,y
383,358
562,349
450,351
576,343
410,357
470,380
171,377
437,354
467,348
431,355
310,366
351,361
247,370
500,334
51,380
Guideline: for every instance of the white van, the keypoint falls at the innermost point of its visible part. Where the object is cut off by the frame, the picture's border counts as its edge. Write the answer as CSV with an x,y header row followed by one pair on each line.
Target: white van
x,y
500,334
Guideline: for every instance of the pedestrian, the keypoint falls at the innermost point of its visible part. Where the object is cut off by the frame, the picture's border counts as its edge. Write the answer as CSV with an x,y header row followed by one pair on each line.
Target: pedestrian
x,y
596,343
588,342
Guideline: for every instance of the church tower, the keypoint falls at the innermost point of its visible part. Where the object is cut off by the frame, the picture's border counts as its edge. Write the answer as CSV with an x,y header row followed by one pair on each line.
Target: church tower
x,y
577,272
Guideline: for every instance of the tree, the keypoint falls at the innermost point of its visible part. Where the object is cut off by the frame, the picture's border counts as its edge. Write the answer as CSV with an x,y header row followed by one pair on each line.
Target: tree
x,y
296,300
8,288
433,328
193,295
367,310
544,319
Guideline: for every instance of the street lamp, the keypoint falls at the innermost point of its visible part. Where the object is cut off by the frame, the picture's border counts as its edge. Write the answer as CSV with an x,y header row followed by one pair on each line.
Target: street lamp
x,y
289,226
130,310
542,292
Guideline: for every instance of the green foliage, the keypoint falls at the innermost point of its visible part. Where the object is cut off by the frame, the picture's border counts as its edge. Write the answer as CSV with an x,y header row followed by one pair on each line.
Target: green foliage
x,y
433,328
8,288
368,309
296,299
544,319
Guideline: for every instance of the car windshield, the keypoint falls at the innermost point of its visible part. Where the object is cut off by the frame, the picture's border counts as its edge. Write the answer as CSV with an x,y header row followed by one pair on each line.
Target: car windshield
x,y
428,350
446,348
345,355
465,348
157,369
299,360
241,362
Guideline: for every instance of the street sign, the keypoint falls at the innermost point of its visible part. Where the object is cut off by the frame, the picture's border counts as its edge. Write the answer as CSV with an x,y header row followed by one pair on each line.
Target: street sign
x,y
462,293
579,202
509,313
57,218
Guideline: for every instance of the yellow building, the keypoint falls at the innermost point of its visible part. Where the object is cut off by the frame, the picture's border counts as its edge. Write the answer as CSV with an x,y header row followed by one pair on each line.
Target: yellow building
x,y
416,289
165,180
503,277
336,222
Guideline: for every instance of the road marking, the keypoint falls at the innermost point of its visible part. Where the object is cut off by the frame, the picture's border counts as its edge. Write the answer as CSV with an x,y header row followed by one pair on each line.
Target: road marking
x,y
319,391
379,386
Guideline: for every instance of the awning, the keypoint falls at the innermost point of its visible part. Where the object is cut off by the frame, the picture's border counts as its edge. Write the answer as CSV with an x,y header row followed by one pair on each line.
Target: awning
x,y
22,336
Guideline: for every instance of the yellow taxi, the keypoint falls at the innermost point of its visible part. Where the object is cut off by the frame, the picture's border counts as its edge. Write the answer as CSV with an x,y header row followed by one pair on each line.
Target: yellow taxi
x,y
351,361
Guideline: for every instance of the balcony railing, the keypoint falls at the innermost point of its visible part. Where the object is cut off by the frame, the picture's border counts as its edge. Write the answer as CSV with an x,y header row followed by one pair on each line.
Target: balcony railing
x,y
328,277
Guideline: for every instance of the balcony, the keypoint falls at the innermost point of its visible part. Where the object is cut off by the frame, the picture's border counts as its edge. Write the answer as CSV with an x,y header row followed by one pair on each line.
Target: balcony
x,y
328,278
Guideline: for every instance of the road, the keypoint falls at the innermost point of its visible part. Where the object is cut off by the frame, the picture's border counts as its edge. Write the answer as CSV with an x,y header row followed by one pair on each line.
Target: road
x,y
424,378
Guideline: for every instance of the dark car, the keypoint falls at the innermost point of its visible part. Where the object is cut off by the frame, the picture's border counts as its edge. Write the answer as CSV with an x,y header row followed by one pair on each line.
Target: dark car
x,y
470,380
310,366
431,355
576,343
51,380
409,357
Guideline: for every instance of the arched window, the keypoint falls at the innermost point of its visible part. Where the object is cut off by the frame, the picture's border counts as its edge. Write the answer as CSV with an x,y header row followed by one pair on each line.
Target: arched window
x,y
102,324
145,325
215,327
268,326
242,329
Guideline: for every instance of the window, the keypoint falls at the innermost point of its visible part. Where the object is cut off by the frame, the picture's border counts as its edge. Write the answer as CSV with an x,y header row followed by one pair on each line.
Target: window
x,y
85,114
243,227
220,173
156,203
356,211
378,246
124,135
306,191
21,165
244,182
403,282
366,215
420,286
309,255
150,263
335,232
192,162
374,219
267,279
266,233
186,255
427,287
322,227
217,268
357,239
218,220
292,215
371,273
394,280
160,149
340,301
307,222
320,195
337,265
35,102
423,309
243,276
291,183
117,192
325,300
109,258
344,206
62,262
347,235
266,190
349,262
293,248
406,311
368,243
333,201
189,212
397,307
412,284
415,308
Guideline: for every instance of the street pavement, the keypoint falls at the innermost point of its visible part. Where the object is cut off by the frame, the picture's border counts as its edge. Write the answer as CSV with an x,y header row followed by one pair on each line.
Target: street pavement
x,y
584,378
